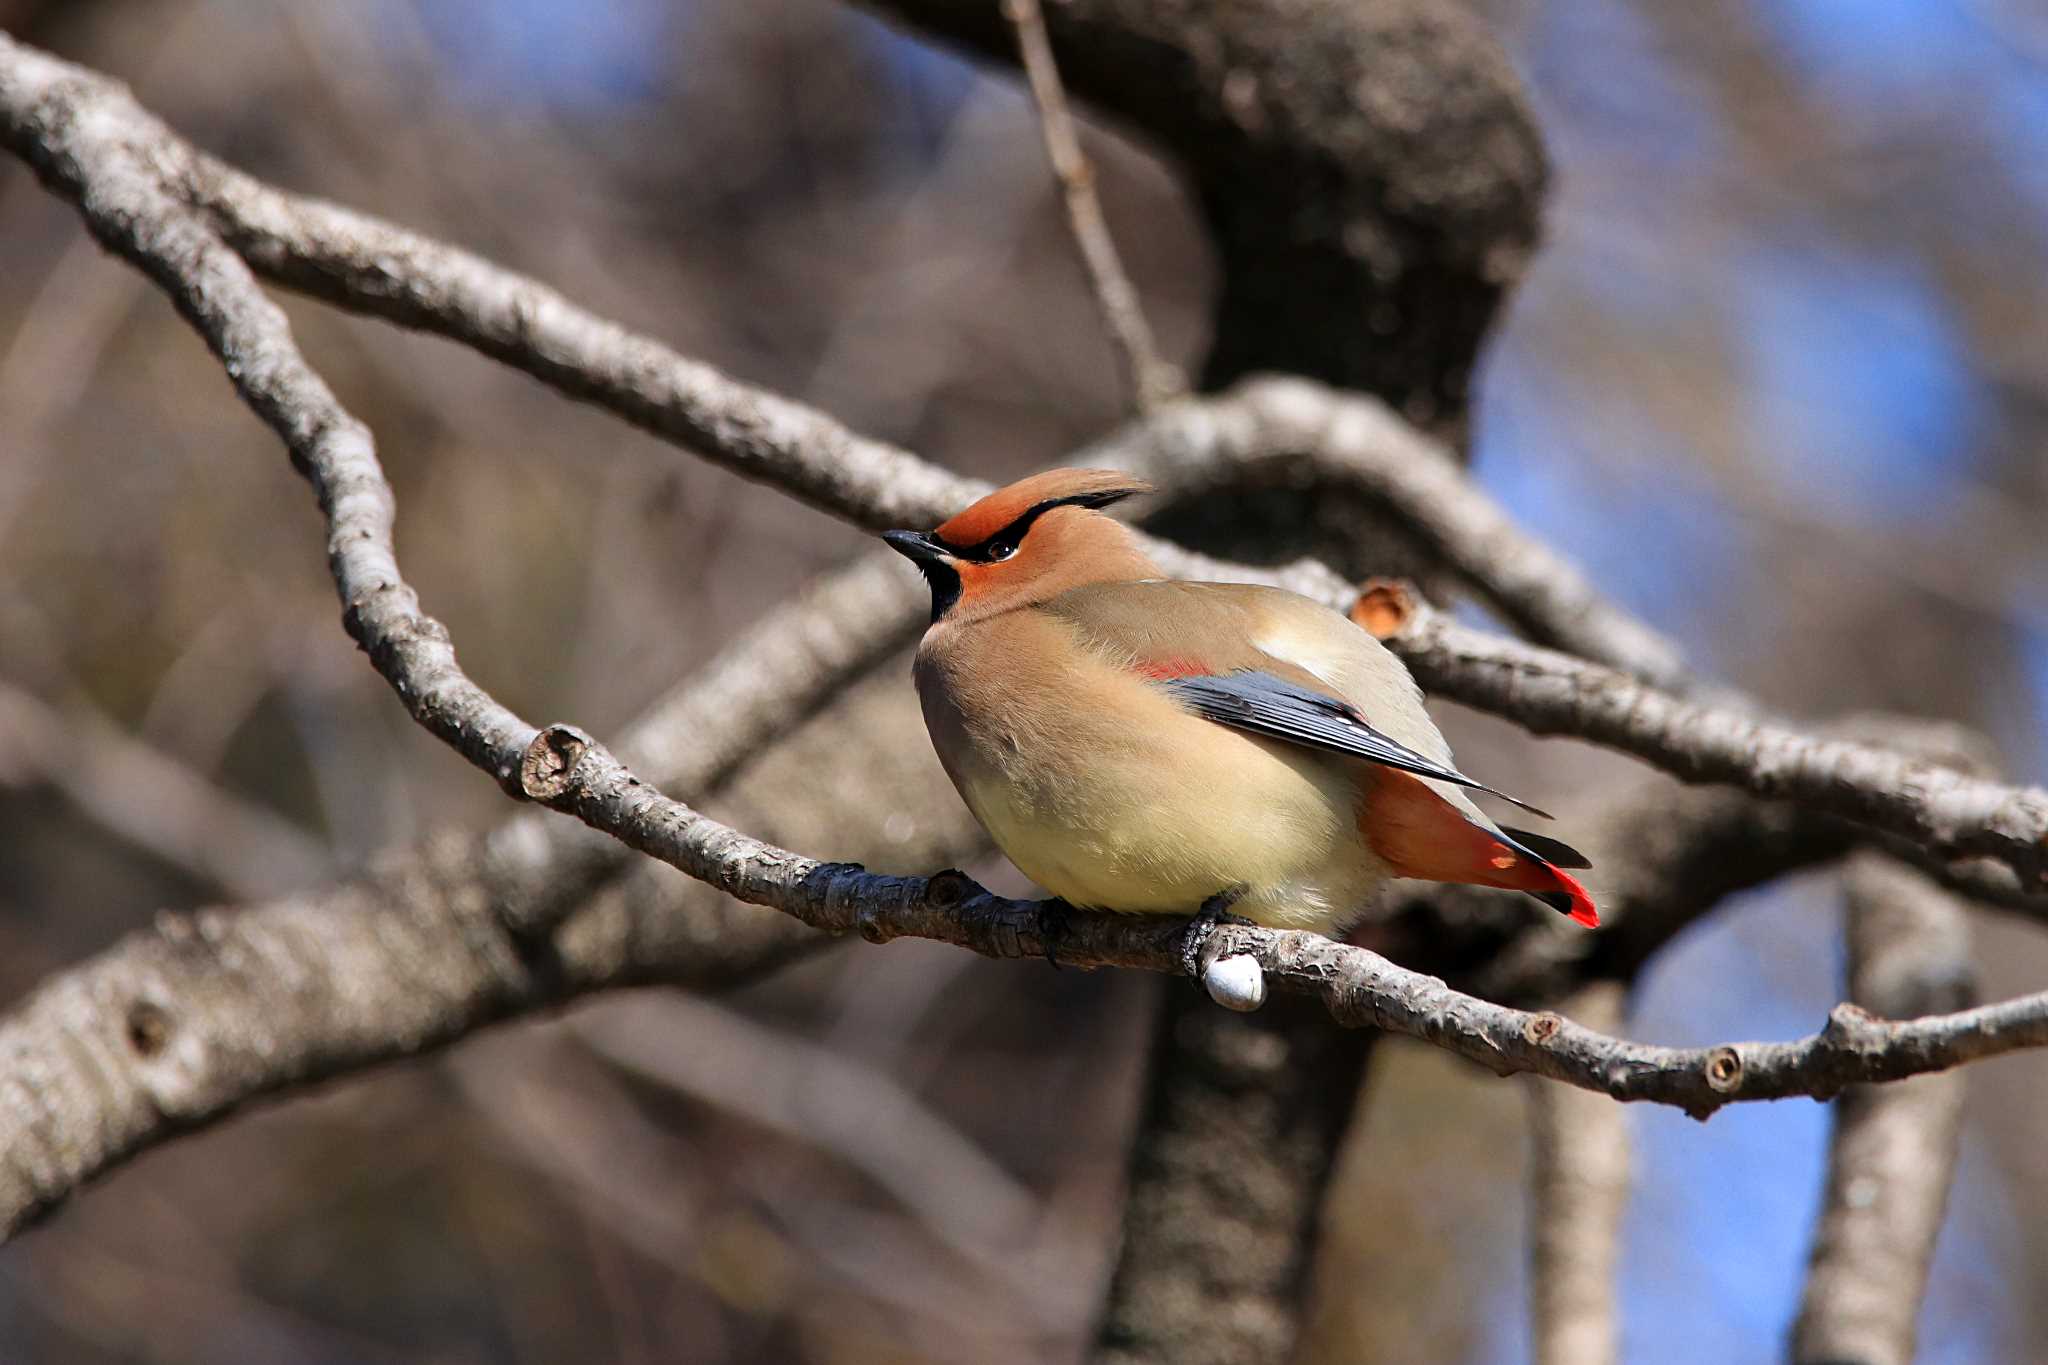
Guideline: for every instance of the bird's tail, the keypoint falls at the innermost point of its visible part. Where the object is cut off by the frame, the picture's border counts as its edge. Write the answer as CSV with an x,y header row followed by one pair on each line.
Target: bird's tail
x,y
1417,833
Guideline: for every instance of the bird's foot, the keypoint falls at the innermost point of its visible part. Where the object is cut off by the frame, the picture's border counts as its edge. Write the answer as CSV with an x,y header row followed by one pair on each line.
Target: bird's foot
x,y
1214,911
1054,918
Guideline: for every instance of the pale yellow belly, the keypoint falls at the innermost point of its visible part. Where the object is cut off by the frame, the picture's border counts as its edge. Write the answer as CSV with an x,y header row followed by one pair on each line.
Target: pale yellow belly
x,y
1162,834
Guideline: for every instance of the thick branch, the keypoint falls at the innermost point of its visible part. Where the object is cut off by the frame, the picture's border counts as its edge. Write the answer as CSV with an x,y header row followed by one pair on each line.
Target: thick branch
x,y
1579,1177
1894,1149
1947,812
1294,431
1243,1117
179,1025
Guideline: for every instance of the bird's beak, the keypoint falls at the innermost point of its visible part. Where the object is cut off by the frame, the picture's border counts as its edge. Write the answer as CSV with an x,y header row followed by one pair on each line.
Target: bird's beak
x,y
934,561
917,546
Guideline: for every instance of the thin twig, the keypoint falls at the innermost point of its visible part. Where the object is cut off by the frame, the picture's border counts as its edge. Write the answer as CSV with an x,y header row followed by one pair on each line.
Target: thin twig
x,y
1152,381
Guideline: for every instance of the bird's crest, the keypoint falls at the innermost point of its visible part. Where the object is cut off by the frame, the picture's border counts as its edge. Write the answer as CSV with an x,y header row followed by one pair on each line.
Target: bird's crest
x,y
1005,508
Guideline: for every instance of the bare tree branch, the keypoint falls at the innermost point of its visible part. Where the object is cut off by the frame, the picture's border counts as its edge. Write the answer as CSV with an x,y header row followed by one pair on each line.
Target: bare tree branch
x,y
1579,1178
177,1025
1152,381
1368,173
1243,1116
1949,813
1893,1154
859,1114
153,801
782,669
368,265
1289,430
207,1013
362,263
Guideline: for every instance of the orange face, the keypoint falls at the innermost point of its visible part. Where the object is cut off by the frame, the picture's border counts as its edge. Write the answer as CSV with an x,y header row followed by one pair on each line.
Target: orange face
x,y
989,553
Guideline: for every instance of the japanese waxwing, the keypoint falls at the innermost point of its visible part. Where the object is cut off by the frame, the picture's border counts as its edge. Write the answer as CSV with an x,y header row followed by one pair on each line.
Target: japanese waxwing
x,y
1141,744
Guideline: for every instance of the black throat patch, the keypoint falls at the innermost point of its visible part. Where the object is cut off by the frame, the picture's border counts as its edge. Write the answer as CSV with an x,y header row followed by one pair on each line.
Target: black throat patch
x,y
945,581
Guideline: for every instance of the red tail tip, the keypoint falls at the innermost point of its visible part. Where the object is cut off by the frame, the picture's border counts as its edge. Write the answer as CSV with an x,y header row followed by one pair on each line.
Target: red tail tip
x,y
1583,909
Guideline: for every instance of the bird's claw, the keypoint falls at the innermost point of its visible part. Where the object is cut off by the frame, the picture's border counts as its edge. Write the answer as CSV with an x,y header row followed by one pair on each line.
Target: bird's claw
x,y
1054,917
1215,911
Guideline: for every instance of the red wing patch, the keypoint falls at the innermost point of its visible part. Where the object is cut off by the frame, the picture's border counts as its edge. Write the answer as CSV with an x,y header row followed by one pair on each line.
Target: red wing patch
x,y
1173,668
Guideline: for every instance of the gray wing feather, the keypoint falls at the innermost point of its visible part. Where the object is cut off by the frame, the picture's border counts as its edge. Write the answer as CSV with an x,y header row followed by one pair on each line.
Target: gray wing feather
x,y
1263,704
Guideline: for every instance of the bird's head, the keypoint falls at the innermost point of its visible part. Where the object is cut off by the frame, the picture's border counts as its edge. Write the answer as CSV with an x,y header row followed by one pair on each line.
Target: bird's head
x,y
1026,543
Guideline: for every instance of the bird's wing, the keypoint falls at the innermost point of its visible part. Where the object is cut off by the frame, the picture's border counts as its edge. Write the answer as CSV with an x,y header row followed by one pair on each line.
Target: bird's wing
x,y
1269,663
1272,664
1166,628
1263,703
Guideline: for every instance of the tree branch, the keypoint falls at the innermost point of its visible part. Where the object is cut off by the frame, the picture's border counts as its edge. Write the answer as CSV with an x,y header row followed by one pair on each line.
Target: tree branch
x,y
371,266
1151,380
1367,172
1579,1178
1291,427
153,801
167,1010
1285,430
1949,813
1893,1154
179,1025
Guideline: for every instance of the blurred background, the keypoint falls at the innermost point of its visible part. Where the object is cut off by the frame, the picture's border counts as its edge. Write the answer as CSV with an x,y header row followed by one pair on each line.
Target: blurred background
x,y
1779,379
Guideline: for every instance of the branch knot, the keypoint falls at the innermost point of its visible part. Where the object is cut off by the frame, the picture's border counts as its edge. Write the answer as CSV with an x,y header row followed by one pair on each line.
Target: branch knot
x,y
1723,1070
549,761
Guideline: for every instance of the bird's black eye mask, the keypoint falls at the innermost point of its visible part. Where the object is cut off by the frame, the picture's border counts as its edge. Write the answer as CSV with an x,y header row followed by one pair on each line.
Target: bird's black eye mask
x,y
937,558
1004,543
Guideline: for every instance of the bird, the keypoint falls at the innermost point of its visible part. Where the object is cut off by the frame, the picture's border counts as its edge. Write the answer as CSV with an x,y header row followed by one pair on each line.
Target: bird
x,y
1147,745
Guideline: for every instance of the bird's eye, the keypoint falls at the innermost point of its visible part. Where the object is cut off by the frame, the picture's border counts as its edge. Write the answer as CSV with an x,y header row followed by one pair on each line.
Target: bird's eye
x,y
1001,549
